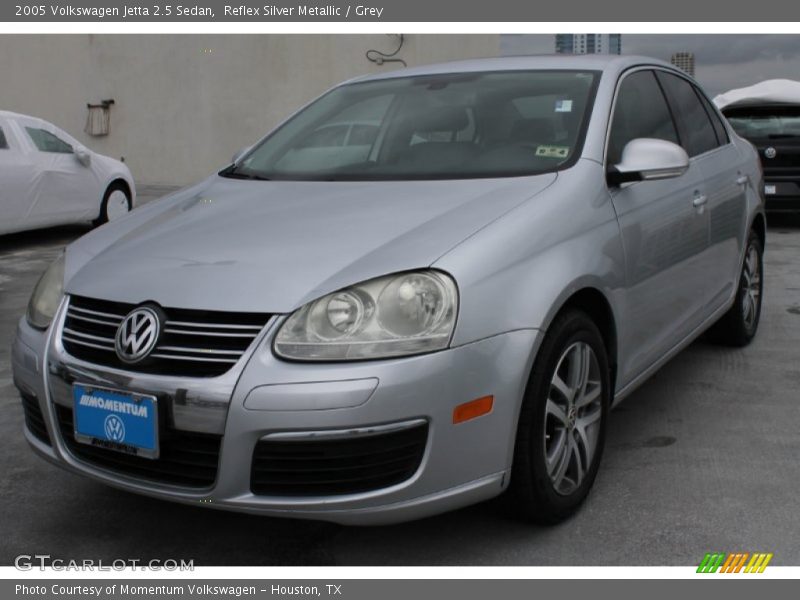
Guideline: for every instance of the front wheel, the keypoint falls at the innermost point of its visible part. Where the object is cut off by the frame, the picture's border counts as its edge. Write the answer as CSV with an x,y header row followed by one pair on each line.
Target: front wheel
x,y
738,326
116,203
561,431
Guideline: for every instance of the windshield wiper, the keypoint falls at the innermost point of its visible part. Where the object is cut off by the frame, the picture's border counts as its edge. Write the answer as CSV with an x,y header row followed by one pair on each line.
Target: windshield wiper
x,y
232,173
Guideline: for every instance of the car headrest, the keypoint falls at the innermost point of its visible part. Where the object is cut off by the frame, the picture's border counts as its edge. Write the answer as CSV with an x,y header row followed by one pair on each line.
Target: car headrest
x,y
444,118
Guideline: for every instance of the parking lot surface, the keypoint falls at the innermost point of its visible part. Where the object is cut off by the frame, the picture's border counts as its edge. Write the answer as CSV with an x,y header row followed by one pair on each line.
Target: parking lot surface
x,y
704,457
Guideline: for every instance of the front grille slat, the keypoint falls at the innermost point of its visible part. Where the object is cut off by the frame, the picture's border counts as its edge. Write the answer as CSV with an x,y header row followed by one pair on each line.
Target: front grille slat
x,y
208,333
80,317
88,336
81,342
187,459
193,343
254,328
229,361
337,466
185,350
113,317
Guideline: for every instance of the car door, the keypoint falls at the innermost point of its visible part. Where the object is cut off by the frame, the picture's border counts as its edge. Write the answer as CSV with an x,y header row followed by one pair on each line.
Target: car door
x,y
66,191
16,172
664,229
726,188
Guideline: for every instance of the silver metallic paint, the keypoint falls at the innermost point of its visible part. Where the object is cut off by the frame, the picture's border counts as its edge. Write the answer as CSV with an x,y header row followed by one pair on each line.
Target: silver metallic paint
x,y
518,249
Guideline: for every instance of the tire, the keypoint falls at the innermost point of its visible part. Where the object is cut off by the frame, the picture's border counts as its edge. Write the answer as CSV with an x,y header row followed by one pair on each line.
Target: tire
x,y
116,202
739,325
549,495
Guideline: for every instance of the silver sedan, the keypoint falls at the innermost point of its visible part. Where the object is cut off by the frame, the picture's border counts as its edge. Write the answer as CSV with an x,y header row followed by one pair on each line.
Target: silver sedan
x,y
427,288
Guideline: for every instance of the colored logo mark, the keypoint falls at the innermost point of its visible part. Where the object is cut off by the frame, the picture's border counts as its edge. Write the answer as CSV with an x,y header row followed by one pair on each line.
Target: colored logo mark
x,y
735,562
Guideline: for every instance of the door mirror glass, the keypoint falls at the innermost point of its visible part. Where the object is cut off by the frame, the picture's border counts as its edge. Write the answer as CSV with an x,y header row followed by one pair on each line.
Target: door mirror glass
x,y
646,159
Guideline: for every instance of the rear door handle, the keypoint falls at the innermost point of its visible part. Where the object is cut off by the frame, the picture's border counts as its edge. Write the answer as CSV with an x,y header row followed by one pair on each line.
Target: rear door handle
x,y
699,200
741,180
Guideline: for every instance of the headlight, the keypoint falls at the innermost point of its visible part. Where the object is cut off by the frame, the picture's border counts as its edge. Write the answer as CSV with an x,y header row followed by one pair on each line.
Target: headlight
x,y
47,295
397,315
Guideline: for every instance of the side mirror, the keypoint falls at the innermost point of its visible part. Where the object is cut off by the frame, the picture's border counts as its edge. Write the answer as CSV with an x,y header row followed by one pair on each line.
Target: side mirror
x,y
83,155
240,154
647,159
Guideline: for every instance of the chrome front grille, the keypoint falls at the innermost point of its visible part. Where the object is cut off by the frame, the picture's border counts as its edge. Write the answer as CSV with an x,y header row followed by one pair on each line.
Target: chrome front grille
x,y
193,343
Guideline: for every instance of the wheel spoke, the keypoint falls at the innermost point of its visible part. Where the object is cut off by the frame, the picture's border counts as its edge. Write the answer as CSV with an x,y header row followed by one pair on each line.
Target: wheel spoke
x,y
590,393
563,463
561,386
556,454
579,466
556,411
586,420
576,375
752,260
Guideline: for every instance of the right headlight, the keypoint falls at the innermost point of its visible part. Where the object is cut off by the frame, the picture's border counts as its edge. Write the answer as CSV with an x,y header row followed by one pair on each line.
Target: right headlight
x,y
47,295
397,315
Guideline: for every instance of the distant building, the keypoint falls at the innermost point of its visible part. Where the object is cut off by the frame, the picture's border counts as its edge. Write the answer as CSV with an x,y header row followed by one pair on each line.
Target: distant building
x,y
684,61
589,43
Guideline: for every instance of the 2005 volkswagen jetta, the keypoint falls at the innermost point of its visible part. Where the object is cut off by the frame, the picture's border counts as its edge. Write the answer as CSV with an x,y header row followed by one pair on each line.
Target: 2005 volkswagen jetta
x,y
426,288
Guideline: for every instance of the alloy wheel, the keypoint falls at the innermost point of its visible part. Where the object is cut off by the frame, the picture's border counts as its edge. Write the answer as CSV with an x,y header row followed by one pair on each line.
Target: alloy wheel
x,y
572,417
751,283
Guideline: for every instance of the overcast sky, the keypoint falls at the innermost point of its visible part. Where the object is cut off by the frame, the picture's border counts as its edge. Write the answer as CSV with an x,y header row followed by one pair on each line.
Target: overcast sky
x,y
722,61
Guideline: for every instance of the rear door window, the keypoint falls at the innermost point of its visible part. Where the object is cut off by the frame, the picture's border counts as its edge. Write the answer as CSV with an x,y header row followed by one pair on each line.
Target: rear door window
x,y
698,134
719,128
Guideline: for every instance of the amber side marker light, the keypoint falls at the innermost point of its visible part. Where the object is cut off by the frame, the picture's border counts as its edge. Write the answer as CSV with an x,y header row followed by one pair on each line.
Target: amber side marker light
x,y
472,409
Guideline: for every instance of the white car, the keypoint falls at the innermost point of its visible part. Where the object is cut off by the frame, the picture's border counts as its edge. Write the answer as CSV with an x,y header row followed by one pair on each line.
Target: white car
x,y
49,178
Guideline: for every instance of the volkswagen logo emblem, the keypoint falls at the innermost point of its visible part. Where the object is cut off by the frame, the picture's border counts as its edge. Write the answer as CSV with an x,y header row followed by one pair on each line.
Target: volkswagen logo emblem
x,y
114,428
137,335
770,152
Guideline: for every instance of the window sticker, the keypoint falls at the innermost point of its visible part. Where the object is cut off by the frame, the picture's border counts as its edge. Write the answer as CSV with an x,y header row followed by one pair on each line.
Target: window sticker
x,y
563,105
552,151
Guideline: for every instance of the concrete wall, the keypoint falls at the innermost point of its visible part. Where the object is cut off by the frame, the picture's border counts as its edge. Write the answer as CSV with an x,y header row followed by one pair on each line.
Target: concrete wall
x,y
186,103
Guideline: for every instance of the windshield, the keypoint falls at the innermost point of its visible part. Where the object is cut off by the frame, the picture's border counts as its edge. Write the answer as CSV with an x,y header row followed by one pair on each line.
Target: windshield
x,y
451,126
766,122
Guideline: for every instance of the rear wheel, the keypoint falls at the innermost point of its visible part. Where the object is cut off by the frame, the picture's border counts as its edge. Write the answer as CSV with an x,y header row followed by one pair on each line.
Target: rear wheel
x,y
561,431
116,203
738,326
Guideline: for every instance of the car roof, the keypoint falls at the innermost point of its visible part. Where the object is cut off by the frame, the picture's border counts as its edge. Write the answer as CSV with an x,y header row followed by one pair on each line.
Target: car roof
x,y
610,63
7,114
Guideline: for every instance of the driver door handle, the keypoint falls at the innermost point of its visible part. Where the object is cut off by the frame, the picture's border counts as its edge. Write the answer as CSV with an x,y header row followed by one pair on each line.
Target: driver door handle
x,y
741,180
699,200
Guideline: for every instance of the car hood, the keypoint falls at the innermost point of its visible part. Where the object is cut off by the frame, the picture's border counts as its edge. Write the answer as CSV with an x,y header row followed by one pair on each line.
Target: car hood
x,y
256,246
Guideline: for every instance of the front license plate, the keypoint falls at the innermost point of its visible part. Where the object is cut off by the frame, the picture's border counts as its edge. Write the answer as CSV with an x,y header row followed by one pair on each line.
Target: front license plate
x,y
770,190
116,420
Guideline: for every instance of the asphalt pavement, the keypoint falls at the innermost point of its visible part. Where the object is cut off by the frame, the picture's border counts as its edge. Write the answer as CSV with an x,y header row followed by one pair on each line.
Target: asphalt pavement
x,y
704,457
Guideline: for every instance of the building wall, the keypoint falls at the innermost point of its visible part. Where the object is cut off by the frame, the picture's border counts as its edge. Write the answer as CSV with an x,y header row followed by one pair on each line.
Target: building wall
x,y
184,104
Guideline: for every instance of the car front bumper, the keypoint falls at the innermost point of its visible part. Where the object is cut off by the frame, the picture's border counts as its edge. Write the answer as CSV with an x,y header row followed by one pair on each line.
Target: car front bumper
x,y
263,397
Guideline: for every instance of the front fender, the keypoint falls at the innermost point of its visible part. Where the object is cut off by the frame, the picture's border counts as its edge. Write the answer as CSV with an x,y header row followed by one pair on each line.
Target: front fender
x,y
518,272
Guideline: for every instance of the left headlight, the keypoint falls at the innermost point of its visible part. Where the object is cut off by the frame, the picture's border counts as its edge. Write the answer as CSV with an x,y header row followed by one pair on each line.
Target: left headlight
x,y
397,315
47,295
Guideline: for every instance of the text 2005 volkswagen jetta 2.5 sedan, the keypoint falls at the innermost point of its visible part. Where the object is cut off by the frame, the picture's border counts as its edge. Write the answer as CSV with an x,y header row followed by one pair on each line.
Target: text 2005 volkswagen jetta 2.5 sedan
x,y
427,287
